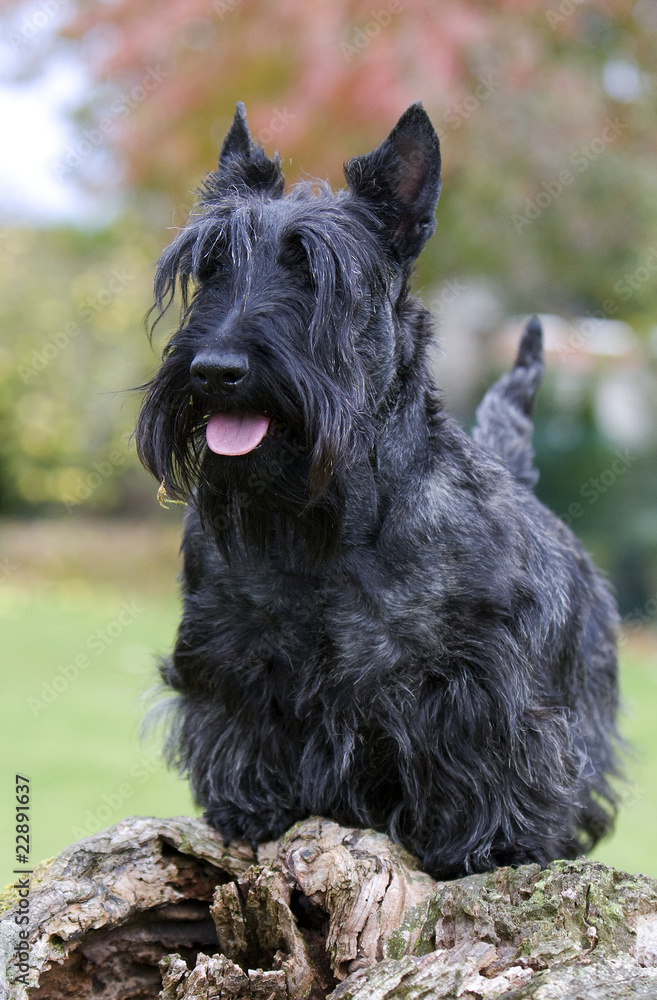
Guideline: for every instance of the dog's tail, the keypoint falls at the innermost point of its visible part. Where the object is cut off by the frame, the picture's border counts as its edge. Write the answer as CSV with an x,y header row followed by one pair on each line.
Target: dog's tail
x,y
503,418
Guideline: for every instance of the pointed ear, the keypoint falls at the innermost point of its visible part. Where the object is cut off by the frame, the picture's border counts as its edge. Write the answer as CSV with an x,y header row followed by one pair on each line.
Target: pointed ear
x,y
238,140
244,164
401,181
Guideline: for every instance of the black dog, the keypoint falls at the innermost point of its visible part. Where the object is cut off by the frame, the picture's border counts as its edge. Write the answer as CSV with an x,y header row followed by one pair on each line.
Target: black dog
x,y
382,625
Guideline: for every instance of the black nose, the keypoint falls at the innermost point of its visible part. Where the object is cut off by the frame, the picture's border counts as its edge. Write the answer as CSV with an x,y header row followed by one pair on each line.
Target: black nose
x,y
219,370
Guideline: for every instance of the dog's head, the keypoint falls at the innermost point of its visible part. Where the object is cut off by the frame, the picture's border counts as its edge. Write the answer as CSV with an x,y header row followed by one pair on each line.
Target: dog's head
x,y
292,337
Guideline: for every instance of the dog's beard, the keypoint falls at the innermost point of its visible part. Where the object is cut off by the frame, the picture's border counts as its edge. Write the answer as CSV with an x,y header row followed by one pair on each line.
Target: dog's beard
x,y
258,507
284,496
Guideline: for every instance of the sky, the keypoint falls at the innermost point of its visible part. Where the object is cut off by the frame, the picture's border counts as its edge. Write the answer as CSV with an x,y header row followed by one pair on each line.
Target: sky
x,y
37,93
35,134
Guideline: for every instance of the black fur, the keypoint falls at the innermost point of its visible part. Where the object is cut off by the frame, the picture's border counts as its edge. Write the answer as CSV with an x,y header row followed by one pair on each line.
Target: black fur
x,y
382,625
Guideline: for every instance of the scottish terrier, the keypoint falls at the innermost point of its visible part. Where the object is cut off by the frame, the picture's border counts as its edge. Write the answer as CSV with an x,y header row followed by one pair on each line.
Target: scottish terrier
x,y
381,625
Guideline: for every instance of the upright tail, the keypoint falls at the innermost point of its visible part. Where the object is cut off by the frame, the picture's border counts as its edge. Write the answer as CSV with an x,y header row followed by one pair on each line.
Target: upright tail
x,y
503,418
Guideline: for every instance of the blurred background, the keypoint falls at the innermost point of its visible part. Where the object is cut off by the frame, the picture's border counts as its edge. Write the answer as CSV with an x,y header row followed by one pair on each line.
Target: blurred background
x,y
111,114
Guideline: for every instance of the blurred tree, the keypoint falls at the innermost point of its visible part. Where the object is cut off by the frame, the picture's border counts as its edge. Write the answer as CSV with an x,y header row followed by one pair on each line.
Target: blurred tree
x,y
548,122
71,305
547,115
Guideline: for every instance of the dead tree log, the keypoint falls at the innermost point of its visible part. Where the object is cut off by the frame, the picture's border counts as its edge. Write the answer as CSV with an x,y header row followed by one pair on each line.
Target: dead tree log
x,y
160,908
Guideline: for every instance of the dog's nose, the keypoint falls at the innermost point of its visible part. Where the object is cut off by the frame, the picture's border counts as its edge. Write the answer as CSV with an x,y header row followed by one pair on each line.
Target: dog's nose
x,y
219,370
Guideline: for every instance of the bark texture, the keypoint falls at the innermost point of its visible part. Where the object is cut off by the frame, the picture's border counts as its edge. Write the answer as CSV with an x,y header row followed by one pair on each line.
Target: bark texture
x,y
160,908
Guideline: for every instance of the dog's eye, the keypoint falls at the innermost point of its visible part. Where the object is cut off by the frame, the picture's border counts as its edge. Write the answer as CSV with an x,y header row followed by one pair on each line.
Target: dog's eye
x,y
294,257
213,265
220,264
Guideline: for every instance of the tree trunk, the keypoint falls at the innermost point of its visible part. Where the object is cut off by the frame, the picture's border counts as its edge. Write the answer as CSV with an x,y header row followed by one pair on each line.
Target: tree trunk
x,y
160,908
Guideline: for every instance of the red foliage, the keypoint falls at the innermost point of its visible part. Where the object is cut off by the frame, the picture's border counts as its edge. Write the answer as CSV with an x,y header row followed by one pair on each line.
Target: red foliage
x,y
303,70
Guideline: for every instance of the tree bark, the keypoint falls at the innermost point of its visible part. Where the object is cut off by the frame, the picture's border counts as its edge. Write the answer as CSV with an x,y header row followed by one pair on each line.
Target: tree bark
x,y
160,908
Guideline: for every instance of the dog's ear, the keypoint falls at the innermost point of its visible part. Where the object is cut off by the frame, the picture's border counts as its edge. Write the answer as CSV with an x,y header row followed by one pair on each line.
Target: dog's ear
x,y
401,181
238,140
244,164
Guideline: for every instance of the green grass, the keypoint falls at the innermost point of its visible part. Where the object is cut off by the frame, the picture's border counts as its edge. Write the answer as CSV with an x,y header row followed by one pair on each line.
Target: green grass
x,y
82,751
632,845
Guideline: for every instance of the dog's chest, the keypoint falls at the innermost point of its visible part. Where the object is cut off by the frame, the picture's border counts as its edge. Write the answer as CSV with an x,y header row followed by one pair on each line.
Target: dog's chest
x,y
341,619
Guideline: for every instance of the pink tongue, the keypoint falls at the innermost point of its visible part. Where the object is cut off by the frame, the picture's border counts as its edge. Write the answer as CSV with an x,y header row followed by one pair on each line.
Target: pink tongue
x,y
235,433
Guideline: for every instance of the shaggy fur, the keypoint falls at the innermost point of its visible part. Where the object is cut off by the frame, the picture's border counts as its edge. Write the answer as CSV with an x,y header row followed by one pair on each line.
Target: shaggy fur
x,y
382,625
